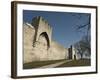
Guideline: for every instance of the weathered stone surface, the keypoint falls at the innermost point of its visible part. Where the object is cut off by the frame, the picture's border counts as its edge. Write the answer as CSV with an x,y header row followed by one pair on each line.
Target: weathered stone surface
x,y
57,51
38,43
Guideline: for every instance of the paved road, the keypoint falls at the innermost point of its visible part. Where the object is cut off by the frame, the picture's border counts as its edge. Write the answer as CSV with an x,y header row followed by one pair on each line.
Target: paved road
x,y
55,64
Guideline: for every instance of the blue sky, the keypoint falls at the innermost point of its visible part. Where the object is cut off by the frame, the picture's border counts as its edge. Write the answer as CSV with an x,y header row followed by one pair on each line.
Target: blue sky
x,y
64,24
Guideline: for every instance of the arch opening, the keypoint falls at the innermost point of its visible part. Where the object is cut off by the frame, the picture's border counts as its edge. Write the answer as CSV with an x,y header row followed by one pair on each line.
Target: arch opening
x,y
44,40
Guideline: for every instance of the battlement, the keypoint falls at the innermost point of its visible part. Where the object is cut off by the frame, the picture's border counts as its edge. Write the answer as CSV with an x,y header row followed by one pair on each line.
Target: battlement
x,y
40,20
45,22
42,26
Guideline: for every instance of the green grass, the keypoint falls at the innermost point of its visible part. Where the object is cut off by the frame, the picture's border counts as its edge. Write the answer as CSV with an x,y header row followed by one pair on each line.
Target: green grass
x,y
73,63
37,64
81,62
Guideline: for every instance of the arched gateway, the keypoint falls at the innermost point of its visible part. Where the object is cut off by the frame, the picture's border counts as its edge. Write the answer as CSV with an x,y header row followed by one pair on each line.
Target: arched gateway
x,y
42,28
38,43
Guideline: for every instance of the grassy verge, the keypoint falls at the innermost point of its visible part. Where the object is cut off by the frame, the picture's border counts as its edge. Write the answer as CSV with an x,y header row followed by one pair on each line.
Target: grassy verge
x,y
73,63
81,62
37,64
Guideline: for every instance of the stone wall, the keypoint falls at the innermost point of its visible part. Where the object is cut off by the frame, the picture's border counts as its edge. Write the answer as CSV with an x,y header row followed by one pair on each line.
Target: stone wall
x,y
57,51
38,43
42,26
29,33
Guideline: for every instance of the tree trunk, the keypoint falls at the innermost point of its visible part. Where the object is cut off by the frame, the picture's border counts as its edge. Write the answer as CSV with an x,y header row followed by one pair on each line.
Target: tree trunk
x,y
81,56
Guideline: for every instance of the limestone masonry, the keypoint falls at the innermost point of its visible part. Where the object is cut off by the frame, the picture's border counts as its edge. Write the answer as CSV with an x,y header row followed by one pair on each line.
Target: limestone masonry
x,y
38,43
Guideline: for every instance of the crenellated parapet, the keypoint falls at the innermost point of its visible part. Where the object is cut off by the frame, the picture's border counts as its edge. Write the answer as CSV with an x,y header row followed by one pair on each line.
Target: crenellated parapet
x,y
42,26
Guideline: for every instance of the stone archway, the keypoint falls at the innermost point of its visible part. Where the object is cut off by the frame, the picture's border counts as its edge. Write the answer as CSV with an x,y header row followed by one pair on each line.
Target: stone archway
x,y
44,40
41,46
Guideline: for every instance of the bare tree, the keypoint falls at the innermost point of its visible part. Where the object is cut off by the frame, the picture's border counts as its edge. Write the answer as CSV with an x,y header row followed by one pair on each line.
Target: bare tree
x,y
79,48
86,41
83,46
86,25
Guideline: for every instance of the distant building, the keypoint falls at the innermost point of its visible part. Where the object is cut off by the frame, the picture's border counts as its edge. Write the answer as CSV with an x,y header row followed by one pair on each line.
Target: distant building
x,y
73,53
